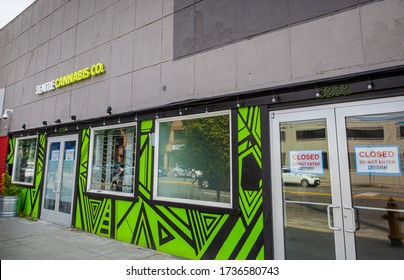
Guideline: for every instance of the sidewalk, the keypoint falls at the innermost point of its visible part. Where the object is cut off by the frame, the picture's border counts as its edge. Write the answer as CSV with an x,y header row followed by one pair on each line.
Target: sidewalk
x,y
21,239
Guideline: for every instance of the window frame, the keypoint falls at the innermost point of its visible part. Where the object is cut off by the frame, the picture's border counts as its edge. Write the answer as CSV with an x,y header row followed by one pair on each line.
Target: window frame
x,y
185,201
18,139
90,161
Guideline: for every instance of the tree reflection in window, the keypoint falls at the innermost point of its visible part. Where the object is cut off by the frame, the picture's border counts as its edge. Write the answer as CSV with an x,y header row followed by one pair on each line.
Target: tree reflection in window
x,y
196,155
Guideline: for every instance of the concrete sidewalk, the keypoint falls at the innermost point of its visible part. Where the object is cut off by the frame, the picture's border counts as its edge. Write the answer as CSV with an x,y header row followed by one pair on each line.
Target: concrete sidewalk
x,y
21,239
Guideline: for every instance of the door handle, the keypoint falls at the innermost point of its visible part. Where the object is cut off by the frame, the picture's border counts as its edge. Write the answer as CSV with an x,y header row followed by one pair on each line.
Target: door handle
x,y
329,217
56,187
353,219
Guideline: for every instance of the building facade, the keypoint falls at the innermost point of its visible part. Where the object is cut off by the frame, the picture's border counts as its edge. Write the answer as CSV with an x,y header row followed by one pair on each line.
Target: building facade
x,y
211,129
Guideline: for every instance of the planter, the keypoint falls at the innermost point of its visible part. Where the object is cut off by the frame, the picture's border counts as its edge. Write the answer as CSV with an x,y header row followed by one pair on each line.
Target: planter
x,y
9,206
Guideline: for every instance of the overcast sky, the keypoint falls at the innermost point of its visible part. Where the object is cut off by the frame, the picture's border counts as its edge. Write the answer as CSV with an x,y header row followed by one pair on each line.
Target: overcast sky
x,y
9,9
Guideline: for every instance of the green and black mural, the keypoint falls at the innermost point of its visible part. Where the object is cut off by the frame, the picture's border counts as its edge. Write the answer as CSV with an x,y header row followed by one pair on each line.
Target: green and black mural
x,y
185,232
30,201
11,148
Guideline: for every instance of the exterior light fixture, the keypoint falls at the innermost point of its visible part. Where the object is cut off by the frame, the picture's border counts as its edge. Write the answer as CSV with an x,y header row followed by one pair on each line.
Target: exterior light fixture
x,y
73,117
24,126
58,121
45,123
370,85
5,115
109,110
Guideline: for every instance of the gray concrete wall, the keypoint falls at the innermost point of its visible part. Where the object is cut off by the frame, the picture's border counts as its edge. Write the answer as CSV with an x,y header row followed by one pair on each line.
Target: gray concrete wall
x,y
139,42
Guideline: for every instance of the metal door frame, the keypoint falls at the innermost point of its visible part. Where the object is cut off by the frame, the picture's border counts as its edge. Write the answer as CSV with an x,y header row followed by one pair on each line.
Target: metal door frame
x,y
344,214
53,215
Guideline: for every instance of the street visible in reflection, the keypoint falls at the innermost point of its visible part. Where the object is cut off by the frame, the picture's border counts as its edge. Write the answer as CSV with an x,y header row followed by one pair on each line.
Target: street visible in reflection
x,y
189,188
307,235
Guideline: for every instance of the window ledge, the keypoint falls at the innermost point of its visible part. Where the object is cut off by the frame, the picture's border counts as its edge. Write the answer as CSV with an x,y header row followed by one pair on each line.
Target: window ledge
x,y
99,195
208,209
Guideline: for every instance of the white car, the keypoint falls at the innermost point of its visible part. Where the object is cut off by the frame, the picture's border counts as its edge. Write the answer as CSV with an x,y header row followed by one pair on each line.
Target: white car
x,y
181,171
299,178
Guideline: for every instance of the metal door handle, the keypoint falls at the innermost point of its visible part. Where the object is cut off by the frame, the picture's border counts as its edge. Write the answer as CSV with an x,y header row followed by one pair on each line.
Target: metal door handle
x,y
56,187
329,217
353,219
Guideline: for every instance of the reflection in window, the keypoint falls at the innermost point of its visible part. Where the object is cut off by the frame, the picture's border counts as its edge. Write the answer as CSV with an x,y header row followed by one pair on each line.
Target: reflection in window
x,y
401,132
24,161
113,159
310,134
194,164
365,133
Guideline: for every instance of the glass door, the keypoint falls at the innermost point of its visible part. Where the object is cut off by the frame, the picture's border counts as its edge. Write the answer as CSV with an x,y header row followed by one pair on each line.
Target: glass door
x,y
337,181
306,193
57,204
371,143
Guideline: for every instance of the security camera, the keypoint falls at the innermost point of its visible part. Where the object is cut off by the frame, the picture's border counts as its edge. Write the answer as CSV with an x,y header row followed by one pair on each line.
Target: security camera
x,y
5,115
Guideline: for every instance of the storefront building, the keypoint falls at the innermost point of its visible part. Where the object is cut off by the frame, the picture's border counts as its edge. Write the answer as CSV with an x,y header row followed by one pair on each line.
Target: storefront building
x,y
211,129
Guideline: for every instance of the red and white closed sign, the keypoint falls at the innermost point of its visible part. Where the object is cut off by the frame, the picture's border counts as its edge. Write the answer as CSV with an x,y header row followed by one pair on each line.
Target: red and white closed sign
x,y
378,160
307,161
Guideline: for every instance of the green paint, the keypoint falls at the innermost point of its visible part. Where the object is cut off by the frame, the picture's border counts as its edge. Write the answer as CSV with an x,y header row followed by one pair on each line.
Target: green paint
x,y
230,242
31,196
252,238
183,232
11,147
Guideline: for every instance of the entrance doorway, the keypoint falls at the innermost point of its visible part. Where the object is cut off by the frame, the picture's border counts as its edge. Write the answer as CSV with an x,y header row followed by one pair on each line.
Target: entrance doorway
x,y
337,181
57,202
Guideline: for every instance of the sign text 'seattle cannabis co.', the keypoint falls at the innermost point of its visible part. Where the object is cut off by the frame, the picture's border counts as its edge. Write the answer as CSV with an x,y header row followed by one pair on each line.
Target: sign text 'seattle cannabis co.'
x,y
84,74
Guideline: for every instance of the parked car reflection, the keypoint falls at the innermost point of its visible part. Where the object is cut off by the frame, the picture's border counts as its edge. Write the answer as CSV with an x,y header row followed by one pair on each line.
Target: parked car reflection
x,y
181,171
298,178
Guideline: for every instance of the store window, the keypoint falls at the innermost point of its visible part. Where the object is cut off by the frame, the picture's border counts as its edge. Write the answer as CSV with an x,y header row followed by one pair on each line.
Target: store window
x,y
112,159
193,160
24,161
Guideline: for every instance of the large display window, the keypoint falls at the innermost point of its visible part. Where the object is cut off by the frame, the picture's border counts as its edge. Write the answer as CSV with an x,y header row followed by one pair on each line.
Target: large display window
x,y
112,159
193,160
24,161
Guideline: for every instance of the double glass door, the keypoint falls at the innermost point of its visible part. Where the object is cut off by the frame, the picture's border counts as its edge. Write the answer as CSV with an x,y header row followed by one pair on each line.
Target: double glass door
x,y
57,203
337,181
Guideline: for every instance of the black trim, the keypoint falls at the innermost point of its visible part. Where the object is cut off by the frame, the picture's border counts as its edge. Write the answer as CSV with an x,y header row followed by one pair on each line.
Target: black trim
x,y
137,159
267,208
234,156
386,83
76,181
113,225
41,183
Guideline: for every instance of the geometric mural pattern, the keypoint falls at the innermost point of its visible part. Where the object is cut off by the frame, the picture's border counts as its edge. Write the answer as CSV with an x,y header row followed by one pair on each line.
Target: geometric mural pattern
x,y
30,200
188,233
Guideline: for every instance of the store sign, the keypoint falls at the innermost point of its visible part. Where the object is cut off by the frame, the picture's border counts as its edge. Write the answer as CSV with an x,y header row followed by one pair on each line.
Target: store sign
x,y
378,160
81,75
307,161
